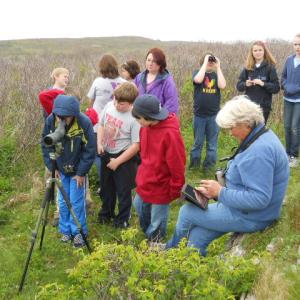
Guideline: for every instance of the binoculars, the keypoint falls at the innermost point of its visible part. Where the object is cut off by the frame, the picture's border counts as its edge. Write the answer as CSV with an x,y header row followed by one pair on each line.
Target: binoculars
x,y
212,59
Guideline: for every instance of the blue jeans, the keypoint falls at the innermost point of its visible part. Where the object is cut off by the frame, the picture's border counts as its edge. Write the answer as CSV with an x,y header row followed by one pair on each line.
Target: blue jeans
x,y
153,218
76,194
201,227
97,160
205,127
292,127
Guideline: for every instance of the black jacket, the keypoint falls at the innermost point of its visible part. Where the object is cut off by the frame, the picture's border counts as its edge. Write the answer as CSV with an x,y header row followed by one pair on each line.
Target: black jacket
x,y
261,95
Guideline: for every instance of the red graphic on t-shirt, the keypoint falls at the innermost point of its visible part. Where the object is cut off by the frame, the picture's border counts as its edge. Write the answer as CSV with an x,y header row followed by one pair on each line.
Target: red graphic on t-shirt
x,y
111,131
209,83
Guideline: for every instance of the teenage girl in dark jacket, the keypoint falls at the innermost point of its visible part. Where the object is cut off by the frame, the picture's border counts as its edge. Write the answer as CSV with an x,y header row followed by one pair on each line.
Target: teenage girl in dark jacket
x,y
259,79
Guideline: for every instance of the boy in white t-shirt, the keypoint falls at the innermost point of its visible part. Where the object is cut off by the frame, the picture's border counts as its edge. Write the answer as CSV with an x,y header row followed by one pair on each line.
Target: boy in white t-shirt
x,y
118,145
101,91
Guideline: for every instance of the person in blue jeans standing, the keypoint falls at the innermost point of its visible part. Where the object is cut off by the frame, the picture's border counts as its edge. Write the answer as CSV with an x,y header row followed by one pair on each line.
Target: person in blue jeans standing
x,y
207,81
290,82
77,154
160,175
256,180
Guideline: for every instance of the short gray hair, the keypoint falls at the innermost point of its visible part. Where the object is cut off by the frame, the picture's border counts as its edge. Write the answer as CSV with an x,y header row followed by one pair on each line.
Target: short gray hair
x,y
240,110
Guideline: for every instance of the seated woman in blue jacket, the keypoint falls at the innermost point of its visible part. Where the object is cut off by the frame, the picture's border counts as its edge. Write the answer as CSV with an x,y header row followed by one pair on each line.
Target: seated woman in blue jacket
x,y
73,163
255,182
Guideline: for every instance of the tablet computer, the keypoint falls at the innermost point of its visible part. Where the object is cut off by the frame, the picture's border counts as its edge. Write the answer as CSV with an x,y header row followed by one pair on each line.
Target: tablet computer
x,y
191,195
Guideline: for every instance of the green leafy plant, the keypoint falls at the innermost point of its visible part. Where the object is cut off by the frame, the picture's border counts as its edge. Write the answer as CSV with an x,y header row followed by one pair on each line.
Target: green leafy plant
x,y
126,271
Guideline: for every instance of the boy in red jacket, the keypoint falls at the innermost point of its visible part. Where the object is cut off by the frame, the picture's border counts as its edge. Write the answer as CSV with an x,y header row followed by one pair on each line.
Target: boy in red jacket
x,y
160,175
60,77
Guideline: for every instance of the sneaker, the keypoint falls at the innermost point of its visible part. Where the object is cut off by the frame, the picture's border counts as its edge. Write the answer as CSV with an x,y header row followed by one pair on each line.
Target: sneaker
x,y
78,241
293,162
65,238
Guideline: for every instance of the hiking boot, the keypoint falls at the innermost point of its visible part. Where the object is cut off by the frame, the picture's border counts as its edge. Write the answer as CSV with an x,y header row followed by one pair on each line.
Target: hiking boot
x,y
65,238
78,241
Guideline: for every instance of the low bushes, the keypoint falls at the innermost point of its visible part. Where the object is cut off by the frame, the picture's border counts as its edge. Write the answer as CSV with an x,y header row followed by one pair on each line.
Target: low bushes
x,y
129,271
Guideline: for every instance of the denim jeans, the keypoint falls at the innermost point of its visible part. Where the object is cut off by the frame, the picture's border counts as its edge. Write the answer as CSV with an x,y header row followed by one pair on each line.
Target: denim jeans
x,y
97,161
76,194
201,227
205,127
153,218
292,127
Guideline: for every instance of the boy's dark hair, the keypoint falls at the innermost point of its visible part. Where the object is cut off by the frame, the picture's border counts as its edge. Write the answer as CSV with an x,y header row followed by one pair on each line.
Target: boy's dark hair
x,y
159,57
132,67
108,66
137,115
201,61
126,92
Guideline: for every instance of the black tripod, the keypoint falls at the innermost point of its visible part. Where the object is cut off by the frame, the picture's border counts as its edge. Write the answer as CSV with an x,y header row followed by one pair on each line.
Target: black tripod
x,y
43,215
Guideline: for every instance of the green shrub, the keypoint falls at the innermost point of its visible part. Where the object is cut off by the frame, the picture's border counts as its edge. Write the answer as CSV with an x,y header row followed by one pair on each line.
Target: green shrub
x,y
127,271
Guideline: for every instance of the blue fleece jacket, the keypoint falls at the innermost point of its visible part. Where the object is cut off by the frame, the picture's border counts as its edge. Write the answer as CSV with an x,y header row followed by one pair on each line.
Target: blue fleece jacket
x,y
78,144
257,179
290,80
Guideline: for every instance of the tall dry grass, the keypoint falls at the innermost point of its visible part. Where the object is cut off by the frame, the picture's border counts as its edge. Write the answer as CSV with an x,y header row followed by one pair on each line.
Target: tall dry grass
x,y
271,284
23,76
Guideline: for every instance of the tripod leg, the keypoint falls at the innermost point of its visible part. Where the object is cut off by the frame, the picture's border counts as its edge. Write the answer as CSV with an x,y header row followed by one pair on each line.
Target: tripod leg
x,y
45,221
45,202
69,205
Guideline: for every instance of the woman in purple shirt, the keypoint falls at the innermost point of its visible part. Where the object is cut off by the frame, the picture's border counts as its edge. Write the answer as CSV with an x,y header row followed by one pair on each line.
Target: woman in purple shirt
x,y
156,80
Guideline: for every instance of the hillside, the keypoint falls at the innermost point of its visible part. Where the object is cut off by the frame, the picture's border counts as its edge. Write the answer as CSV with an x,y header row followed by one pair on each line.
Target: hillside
x,y
60,272
71,45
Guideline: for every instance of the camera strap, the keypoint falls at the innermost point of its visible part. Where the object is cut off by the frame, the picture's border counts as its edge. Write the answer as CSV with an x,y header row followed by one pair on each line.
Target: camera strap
x,y
244,145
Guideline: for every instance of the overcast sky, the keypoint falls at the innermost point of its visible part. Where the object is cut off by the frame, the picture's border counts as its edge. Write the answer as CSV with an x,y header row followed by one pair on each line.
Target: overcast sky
x,y
186,20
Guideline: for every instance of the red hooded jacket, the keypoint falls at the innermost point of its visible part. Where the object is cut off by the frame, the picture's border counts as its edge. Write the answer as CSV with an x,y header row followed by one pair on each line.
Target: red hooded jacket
x,y
47,98
160,176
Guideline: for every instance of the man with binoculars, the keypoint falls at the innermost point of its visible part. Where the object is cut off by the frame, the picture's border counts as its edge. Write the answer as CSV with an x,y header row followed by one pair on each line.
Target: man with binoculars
x,y
70,132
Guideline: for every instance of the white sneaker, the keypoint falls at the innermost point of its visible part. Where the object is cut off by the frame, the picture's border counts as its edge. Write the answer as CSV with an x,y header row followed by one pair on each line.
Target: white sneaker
x,y
293,162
